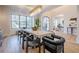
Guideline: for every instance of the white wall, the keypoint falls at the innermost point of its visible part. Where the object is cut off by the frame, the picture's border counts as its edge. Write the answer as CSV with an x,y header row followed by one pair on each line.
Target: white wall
x,y
69,11
4,22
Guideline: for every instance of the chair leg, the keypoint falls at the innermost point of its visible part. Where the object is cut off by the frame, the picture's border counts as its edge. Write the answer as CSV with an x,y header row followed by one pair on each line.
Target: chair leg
x,y
20,39
39,46
62,48
56,49
26,46
43,49
23,43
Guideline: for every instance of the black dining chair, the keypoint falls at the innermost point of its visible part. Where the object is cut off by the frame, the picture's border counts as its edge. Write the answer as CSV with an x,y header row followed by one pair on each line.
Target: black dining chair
x,y
53,44
25,35
30,41
34,44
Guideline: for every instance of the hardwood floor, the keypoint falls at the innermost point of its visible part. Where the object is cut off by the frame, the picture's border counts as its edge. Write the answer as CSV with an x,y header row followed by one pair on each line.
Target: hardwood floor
x,y
12,45
70,44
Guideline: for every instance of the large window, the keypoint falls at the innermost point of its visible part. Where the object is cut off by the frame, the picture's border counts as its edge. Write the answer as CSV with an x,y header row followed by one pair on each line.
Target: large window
x,y
22,21
58,22
15,21
30,22
45,23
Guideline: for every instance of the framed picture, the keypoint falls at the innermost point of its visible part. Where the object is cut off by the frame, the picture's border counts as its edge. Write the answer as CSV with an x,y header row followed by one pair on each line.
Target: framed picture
x,y
73,19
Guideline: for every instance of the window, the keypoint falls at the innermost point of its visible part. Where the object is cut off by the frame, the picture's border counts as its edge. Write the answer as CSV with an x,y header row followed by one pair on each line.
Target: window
x,y
45,23
15,21
30,22
58,22
55,23
22,21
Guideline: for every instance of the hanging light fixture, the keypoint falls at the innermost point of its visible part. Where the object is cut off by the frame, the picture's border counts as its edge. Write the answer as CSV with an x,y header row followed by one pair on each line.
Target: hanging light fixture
x,y
36,10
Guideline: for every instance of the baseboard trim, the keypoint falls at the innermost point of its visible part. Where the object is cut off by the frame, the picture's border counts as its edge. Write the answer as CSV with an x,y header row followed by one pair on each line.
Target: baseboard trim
x,y
8,36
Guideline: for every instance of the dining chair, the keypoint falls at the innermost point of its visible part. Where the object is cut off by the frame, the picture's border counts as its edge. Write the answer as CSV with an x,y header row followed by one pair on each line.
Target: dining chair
x,y
53,44
30,41
34,44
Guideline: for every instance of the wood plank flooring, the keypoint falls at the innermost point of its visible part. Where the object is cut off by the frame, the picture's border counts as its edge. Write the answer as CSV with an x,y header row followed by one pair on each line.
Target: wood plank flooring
x,y
12,45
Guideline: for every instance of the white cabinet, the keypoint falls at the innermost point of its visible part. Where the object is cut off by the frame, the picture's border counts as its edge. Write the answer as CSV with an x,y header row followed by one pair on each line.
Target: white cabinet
x,y
72,30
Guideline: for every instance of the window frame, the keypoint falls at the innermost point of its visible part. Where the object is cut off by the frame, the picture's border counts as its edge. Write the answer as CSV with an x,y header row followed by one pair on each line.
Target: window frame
x,y
20,21
32,22
12,21
46,22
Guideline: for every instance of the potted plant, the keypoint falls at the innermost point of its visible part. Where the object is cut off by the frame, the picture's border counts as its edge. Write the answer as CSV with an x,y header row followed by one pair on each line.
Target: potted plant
x,y
34,28
37,24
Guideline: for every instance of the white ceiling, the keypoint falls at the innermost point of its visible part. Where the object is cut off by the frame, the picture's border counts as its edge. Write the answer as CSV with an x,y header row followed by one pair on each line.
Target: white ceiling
x,y
29,8
44,7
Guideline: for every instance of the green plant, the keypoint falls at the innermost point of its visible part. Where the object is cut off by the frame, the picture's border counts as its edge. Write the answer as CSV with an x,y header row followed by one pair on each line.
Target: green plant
x,y
37,22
